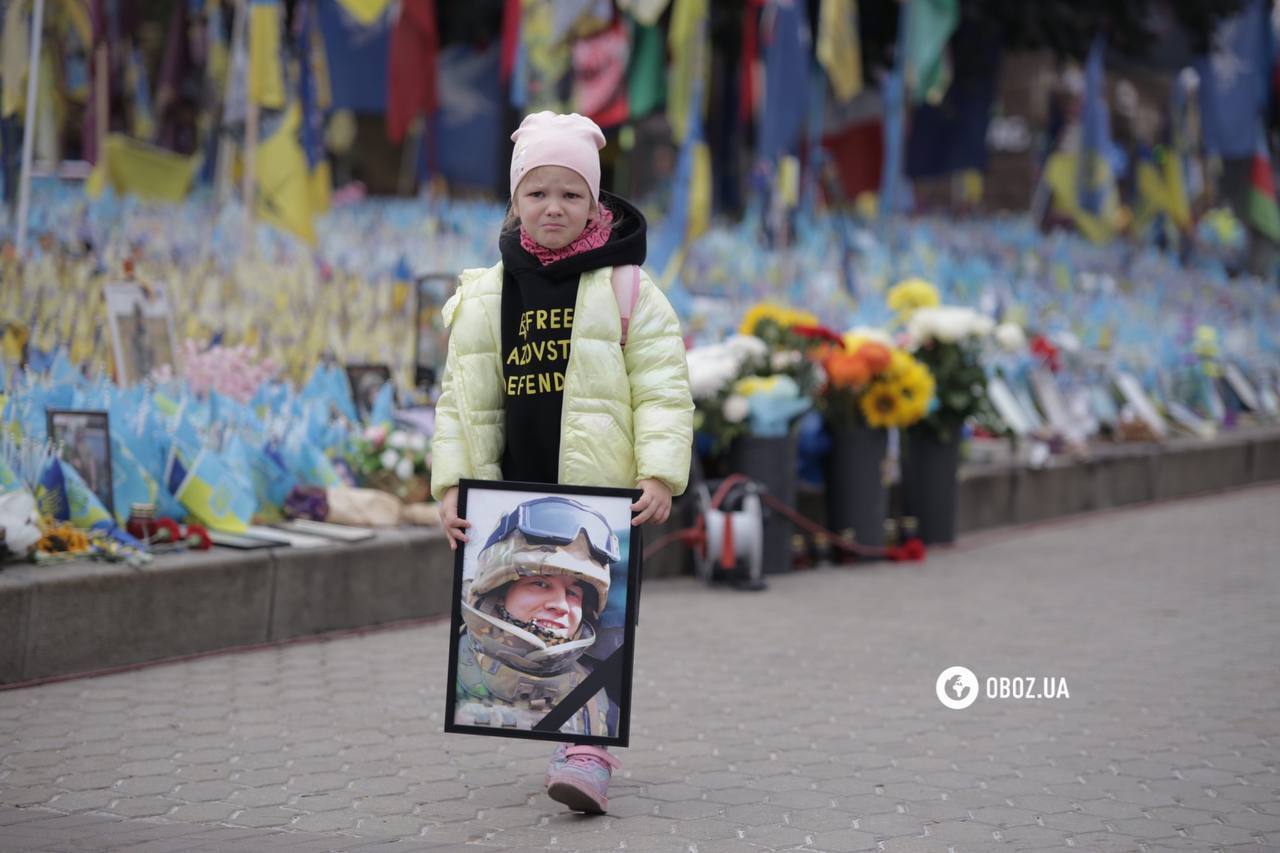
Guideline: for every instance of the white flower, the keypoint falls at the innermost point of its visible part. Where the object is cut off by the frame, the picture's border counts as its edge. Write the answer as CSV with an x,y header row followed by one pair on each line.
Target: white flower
x,y
1010,337
389,458
871,333
736,408
417,442
404,468
398,439
747,347
711,368
780,361
947,324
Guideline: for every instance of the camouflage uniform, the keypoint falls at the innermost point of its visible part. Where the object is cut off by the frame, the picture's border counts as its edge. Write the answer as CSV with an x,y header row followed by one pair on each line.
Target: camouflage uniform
x,y
510,676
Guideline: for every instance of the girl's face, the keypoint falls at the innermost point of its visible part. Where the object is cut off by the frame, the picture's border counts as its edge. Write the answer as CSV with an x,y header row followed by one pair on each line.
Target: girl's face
x,y
554,205
553,602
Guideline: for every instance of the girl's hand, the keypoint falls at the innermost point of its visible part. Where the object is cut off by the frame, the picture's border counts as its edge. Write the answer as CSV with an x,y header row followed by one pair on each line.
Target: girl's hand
x,y
654,505
454,527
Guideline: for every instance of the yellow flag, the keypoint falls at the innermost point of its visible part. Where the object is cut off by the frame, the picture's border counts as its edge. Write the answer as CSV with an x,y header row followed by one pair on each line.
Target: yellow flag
x,y
284,183
687,41
838,48
699,192
1060,176
266,77
320,185
13,59
365,11
151,173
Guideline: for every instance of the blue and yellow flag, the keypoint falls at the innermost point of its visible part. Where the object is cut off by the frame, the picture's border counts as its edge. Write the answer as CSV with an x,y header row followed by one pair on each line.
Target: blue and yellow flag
x,y
131,167
64,496
266,75
214,496
284,196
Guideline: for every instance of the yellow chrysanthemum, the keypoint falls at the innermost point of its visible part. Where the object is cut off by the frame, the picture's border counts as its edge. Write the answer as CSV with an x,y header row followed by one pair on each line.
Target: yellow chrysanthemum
x,y
750,385
910,295
881,406
784,316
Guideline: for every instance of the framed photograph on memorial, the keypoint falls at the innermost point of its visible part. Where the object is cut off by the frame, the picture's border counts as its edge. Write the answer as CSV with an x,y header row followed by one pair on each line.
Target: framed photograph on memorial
x,y
85,437
544,613
366,381
430,342
141,325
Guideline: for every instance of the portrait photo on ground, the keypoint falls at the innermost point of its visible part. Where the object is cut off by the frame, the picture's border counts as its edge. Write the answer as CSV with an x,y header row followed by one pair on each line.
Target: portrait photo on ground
x,y
544,605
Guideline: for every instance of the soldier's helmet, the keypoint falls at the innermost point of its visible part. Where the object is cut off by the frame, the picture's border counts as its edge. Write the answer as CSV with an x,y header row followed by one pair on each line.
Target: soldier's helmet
x,y
541,537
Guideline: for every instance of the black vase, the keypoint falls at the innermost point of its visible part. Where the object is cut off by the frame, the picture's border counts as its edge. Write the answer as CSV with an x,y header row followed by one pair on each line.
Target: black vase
x,y
929,467
772,463
857,500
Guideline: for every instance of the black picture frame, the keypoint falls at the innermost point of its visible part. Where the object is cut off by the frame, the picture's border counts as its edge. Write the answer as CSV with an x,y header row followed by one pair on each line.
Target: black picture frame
x,y
91,458
362,390
430,338
608,671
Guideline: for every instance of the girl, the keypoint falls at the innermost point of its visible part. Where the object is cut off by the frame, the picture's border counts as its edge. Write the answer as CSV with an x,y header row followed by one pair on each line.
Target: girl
x,y
537,386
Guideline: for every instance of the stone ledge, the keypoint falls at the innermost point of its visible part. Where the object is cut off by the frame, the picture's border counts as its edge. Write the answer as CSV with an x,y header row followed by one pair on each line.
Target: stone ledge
x,y
82,617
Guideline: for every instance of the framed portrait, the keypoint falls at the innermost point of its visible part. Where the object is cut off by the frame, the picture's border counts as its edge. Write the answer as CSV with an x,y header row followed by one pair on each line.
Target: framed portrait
x,y
544,613
366,381
431,339
140,321
85,437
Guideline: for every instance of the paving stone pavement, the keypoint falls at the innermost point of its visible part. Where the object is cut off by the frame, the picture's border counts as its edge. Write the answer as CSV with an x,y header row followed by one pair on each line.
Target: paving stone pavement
x,y
801,718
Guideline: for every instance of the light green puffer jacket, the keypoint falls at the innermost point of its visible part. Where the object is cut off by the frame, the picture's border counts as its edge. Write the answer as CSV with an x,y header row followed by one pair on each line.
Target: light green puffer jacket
x,y
627,414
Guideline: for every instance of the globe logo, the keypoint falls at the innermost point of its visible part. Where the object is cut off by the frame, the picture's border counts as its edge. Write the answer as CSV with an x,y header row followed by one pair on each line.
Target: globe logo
x,y
957,687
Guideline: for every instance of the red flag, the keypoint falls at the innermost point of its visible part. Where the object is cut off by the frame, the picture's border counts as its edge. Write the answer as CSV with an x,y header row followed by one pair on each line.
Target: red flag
x,y
411,67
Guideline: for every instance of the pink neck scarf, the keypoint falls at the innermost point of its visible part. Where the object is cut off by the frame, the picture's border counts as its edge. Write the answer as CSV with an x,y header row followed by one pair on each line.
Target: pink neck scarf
x,y
595,235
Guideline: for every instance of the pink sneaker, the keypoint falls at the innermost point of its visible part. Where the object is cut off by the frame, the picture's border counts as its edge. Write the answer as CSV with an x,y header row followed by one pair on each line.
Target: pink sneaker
x,y
579,777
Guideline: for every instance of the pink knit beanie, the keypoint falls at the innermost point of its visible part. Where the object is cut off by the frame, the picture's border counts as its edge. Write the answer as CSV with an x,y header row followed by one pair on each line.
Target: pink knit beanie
x,y
549,139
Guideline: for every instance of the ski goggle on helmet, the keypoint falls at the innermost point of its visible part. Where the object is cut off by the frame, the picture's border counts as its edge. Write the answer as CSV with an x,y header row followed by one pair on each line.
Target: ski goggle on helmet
x,y
558,521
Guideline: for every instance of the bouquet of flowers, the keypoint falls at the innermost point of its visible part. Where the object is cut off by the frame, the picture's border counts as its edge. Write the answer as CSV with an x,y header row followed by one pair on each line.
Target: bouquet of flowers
x,y
392,460
870,383
231,371
720,414
789,336
948,341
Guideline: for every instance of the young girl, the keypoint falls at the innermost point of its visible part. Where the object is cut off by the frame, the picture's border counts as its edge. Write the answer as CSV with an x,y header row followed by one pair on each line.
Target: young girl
x,y
537,385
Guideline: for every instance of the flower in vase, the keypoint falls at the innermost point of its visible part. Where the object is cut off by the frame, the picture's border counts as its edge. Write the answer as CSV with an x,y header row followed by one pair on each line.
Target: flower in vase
x,y
404,468
736,408
417,442
847,370
880,406
910,295
1010,337
398,440
389,459
375,434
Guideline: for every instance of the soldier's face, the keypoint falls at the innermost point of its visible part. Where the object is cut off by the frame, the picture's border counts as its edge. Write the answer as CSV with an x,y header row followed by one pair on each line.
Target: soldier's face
x,y
553,603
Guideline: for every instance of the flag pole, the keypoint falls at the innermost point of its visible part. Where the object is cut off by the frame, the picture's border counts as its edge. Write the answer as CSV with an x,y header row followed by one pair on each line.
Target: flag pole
x,y
251,117
29,126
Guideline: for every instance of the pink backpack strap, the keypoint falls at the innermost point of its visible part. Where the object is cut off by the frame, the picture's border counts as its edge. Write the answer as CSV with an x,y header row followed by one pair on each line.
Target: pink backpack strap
x,y
626,292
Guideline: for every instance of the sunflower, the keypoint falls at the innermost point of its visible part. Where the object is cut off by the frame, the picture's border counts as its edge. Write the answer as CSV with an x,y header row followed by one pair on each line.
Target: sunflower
x,y
881,405
915,387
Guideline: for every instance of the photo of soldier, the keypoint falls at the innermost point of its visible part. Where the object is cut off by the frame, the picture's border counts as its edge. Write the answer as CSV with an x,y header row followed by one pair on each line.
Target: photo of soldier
x,y
85,438
532,599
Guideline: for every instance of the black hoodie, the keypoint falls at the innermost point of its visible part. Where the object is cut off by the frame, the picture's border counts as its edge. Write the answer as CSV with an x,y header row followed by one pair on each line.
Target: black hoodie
x,y
537,322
